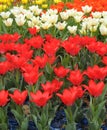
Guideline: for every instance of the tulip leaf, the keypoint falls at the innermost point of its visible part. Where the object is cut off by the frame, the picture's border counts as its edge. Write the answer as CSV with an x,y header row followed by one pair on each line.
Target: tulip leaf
x,y
24,124
17,115
71,126
34,119
3,126
99,109
39,126
49,68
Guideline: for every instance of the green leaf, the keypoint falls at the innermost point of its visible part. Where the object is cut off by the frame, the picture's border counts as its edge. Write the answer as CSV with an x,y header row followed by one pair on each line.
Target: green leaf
x,y
34,119
39,126
99,109
3,126
17,115
49,69
24,124
70,126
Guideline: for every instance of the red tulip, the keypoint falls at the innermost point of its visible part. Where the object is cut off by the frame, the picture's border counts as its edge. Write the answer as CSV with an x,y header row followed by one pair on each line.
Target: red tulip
x,y
3,97
69,96
95,89
32,31
39,98
53,86
41,61
31,74
76,77
61,72
51,47
19,97
96,72
104,60
79,90
35,41
71,48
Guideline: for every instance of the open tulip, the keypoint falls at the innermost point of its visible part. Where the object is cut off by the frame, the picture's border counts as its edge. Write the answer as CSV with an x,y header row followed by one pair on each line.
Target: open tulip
x,y
95,89
3,97
39,98
19,97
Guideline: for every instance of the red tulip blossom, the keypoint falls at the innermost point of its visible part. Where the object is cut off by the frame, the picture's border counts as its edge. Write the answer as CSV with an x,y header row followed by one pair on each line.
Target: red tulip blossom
x,y
61,72
16,60
76,77
5,67
51,59
96,72
8,38
32,77
101,48
53,86
71,48
39,98
19,97
51,47
35,41
3,97
41,61
104,60
69,96
95,89
79,90
32,31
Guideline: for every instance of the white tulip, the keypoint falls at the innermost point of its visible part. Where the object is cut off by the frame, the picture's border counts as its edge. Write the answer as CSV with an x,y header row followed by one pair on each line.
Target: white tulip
x,y
36,20
61,26
104,21
8,22
46,25
5,15
64,15
35,9
45,17
93,28
104,13
53,19
78,18
52,12
71,12
72,29
20,20
103,29
86,9
29,14
30,23
96,14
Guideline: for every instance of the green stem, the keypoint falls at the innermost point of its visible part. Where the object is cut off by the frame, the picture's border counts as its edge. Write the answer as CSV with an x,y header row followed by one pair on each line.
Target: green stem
x,y
70,118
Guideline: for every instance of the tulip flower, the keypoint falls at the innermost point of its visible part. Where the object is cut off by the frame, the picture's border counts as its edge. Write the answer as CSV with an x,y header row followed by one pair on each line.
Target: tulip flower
x,y
96,72
61,72
19,97
53,86
69,96
76,77
39,98
95,89
3,97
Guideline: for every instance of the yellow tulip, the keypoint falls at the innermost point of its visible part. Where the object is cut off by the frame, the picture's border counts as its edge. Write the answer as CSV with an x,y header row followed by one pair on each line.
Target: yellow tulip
x,y
4,6
24,1
57,1
44,6
38,2
1,7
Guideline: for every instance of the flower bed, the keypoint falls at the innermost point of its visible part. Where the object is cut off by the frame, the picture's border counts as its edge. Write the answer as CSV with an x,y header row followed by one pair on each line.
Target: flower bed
x,y
41,68
53,67
58,24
